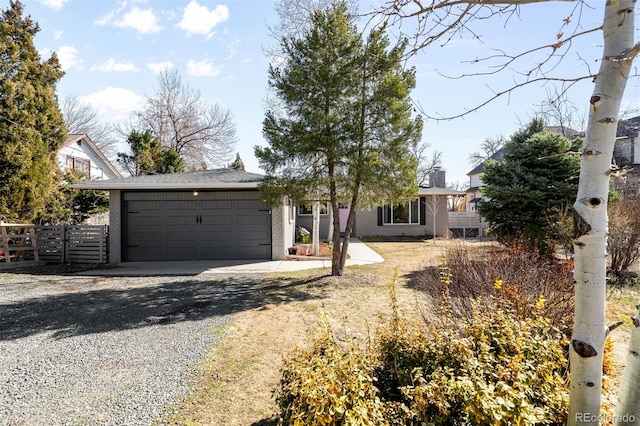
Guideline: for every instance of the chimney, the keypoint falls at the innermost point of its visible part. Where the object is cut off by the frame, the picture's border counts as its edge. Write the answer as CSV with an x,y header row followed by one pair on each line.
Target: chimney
x,y
437,179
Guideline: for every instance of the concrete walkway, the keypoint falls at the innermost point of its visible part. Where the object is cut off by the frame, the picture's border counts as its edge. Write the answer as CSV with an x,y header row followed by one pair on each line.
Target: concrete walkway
x,y
359,254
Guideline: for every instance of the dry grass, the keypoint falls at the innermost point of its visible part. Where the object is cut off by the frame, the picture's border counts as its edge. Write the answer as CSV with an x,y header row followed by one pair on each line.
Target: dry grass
x,y
234,385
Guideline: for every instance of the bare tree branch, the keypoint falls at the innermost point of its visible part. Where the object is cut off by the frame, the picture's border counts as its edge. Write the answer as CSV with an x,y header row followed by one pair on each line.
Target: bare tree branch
x,y
487,148
438,22
203,135
81,118
426,163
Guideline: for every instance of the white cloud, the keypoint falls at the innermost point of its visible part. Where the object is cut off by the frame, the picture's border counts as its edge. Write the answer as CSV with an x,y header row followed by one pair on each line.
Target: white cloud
x,y
156,67
111,65
113,103
111,15
68,56
198,19
54,4
202,68
142,20
57,34
232,47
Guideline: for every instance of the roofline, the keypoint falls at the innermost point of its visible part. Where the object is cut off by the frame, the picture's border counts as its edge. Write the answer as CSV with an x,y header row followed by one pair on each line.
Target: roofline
x,y
91,144
105,186
439,191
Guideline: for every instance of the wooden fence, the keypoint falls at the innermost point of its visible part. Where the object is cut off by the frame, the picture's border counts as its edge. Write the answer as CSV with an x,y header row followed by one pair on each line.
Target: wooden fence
x,y
73,243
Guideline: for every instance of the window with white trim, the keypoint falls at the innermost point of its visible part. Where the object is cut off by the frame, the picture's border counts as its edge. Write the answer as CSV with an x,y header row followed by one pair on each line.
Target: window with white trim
x,y
408,213
79,164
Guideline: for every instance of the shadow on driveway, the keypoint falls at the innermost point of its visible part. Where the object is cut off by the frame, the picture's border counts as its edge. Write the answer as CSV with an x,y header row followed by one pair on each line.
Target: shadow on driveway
x,y
134,303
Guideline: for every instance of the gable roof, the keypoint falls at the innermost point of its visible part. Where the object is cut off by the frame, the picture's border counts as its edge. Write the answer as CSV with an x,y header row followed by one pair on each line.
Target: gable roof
x,y
203,179
85,140
480,167
626,128
567,132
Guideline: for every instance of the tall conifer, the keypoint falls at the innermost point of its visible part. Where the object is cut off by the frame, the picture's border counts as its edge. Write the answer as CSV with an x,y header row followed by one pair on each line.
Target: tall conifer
x,y
344,132
31,124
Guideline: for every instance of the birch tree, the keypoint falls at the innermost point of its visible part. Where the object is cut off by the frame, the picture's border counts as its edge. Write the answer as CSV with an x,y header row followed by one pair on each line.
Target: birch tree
x,y
437,22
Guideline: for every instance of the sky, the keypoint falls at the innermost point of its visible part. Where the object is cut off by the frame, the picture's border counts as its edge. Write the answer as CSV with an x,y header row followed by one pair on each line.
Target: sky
x,y
111,51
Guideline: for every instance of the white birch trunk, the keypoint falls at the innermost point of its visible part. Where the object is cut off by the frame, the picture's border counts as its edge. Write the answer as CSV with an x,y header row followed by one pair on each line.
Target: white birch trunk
x,y
628,408
589,329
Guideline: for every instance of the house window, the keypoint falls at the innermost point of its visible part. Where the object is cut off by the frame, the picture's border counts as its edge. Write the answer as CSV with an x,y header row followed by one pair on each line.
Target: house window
x,y
408,213
79,164
307,209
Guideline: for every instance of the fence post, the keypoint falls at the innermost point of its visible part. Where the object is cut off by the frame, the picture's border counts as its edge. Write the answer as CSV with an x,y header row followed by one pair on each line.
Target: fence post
x,y
102,241
65,244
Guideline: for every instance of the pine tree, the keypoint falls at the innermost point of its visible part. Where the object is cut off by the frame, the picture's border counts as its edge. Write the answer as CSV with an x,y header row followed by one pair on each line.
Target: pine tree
x,y
31,124
530,189
148,156
237,164
345,133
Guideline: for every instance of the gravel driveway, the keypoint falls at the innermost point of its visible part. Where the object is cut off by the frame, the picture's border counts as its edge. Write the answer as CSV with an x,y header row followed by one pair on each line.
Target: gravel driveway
x,y
113,351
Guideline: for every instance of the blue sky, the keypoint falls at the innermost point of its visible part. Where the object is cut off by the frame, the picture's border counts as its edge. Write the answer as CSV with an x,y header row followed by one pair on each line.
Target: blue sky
x,y
111,50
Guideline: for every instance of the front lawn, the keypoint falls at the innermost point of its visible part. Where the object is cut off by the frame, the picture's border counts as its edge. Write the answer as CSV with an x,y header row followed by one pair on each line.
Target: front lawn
x,y
235,383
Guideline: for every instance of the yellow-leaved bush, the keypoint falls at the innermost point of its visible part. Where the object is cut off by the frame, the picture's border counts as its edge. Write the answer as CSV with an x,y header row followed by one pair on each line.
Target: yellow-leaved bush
x,y
494,369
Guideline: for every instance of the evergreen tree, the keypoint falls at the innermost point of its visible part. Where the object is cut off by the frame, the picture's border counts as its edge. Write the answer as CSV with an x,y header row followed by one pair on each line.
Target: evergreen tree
x,y
237,164
345,132
31,124
79,204
149,156
531,188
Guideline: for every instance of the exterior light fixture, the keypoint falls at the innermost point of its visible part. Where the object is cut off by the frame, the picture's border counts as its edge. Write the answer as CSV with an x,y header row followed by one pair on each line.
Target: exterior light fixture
x,y
195,193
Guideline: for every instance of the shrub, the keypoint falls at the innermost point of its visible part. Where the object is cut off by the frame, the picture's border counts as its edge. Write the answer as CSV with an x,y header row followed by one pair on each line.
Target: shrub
x,y
524,277
494,369
327,385
623,242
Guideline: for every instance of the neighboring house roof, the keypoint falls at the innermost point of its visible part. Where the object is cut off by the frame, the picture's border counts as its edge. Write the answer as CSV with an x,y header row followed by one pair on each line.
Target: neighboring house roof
x,y
87,144
567,132
480,167
204,179
628,128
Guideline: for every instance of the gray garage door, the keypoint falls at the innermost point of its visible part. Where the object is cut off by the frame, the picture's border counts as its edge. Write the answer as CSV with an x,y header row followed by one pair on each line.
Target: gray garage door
x,y
209,226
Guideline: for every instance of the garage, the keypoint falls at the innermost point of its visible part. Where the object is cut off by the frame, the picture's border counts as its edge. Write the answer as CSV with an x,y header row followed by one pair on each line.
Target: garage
x,y
193,216
206,226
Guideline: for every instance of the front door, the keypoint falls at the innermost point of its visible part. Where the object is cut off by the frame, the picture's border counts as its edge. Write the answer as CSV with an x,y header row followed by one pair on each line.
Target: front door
x,y
344,215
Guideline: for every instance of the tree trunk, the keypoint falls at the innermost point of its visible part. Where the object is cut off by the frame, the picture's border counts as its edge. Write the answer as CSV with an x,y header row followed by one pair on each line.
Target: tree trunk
x,y
347,231
335,251
590,220
628,408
